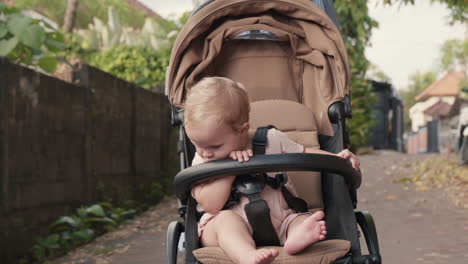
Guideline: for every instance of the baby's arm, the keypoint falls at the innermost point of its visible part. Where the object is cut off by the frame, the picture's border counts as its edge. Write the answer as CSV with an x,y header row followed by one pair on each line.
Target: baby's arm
x,y
345,154
214,193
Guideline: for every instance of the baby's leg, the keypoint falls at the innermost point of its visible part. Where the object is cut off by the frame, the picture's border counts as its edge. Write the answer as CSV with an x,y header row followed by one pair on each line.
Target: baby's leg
x,y
305,230
228,231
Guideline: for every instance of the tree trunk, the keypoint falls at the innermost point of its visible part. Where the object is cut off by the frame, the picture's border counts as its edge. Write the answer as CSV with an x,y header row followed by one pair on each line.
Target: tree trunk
x,y
70,15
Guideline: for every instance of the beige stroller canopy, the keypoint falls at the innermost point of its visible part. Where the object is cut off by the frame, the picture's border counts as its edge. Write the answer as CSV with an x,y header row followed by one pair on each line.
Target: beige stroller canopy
x,y
306,63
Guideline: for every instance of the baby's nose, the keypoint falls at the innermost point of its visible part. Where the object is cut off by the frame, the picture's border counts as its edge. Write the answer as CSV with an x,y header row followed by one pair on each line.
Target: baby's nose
x,y
207,154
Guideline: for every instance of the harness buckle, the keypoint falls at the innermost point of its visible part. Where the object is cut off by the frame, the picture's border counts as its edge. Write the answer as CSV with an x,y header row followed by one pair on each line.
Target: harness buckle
x,y
279,180
250,184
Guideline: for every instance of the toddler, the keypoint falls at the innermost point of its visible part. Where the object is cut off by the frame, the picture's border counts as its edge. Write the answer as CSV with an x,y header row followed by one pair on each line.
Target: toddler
x,y
217,122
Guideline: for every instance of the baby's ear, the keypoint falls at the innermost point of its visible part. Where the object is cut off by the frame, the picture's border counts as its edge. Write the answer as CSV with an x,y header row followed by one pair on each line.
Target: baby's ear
x,y
245,127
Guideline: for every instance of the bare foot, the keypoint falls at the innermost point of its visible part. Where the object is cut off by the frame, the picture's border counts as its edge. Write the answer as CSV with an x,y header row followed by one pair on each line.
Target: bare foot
x,y
311,230
260,256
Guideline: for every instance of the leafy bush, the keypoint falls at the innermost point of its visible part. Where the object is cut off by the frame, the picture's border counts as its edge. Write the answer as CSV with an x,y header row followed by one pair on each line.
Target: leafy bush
x,y
87,10
69,232
356,28
29,41
101,35
143,66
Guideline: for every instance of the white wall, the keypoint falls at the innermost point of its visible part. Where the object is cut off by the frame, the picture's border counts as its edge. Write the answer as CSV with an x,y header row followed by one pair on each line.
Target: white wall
x,y
416,112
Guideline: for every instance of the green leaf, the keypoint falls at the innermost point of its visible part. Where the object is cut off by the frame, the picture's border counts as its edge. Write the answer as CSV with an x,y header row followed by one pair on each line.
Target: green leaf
x,y
106,205
51,241
96,210
49,64
85,234
57,36
64,220
26,55
33,36
6,46
54,45
47,25
130,213
18,24
3,29
101,220
5,9
65,236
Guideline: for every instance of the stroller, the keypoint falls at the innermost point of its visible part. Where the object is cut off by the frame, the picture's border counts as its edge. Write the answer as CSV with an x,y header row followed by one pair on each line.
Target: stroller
x,y
290,56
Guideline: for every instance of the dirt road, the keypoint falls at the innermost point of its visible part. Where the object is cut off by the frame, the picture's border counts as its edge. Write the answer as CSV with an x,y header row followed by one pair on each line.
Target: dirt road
x,y
414,226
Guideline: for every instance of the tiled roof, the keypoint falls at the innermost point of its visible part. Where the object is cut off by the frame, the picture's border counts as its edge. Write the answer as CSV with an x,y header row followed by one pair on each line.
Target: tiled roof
x,y
439,109
449,85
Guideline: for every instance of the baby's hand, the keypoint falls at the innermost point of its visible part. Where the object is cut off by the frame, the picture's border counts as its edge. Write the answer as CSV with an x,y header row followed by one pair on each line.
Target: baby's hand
x,y
241,155
346,154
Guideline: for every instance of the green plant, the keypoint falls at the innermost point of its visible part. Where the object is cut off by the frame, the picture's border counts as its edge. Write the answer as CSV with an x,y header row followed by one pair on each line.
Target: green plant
x,y
29,41
102,36
71,231
458,8
87,10
143,66
356,27
454,52
68,232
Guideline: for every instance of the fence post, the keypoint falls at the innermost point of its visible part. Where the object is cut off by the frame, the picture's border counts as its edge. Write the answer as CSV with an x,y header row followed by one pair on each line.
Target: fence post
x,y
433,130
81,77
133,132
4,177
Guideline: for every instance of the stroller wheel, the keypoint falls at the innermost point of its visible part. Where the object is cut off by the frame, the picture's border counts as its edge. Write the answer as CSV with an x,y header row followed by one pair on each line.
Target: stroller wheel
x,y
174,230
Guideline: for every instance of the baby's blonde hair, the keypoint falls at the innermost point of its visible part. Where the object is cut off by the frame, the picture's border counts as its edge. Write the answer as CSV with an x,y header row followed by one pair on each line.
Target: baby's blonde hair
x,y
219,98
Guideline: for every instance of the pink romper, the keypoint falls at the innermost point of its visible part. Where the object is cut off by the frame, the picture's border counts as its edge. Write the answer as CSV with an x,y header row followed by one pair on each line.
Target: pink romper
x,y
281,215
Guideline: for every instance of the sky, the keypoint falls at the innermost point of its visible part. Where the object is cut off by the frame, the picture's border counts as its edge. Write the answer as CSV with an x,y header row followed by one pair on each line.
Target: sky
x,y
408,39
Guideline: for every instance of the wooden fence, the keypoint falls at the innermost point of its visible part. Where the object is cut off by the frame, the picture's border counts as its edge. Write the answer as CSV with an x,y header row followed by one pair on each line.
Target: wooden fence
x,y
65,144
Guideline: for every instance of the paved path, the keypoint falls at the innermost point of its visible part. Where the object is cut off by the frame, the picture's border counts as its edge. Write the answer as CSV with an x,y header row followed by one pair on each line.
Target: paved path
x,y
413,226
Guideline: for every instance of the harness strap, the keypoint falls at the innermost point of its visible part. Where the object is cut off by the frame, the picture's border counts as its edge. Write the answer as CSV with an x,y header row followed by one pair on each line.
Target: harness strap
x,y
258,214
260,140
257,210
295,203
259,143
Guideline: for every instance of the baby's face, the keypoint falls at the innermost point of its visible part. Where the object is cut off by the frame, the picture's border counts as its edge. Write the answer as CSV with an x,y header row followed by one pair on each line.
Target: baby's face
x,y
215,141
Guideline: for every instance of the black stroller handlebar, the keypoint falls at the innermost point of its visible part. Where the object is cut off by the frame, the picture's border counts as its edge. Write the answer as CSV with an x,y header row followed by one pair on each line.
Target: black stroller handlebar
x,y
267,163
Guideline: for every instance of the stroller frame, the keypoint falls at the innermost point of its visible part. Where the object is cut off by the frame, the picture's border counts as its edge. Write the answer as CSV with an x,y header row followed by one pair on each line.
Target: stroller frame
x,y
338,179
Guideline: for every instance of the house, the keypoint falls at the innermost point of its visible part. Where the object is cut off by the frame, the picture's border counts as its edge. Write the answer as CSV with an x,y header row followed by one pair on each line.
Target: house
x,y
437,110
441,92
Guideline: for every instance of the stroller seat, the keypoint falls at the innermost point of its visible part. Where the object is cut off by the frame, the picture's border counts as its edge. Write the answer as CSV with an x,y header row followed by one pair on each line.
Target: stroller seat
x,y
284,115
321,252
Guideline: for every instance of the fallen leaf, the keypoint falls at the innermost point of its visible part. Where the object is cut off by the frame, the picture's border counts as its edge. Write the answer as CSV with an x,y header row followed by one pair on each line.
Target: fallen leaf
x,y
423,188
391,197
122,250
405,179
